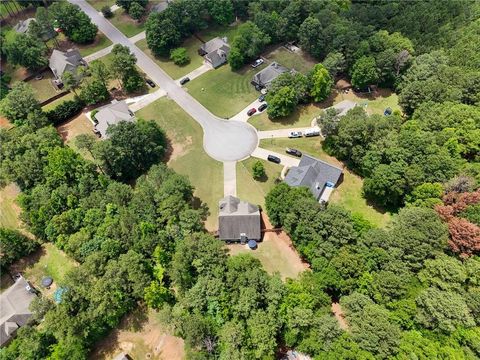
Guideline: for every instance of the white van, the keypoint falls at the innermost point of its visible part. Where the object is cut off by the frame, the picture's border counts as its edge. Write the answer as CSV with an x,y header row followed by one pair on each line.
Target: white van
x,y
314,131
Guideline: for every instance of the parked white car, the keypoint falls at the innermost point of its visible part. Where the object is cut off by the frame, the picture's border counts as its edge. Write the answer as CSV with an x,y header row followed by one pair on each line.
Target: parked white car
x,y
295,134
257,63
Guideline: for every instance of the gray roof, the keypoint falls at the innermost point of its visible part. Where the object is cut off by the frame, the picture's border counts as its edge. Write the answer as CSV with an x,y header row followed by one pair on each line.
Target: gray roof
x,y
112,114
160,7
270,73
216,51
238,217
14,309
314,174
22,26
65,61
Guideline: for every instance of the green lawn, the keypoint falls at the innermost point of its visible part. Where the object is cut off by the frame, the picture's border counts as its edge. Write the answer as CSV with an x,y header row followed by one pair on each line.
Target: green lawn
x,y
349,193
375,103
251,190
299,62
57,102
174,71
221,31
225,92
44,89
101,41
301,117
123,22
98,4
52,262
9,210
187,154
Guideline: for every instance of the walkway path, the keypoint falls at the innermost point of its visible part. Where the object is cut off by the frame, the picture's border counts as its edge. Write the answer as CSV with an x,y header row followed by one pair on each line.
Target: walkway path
x,y
285,160
140,102
230,178
195,73
222,140
138,37
98,54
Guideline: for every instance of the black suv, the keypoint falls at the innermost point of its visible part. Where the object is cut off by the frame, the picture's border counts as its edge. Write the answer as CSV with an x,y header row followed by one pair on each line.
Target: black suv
x,y
274,159
184,80
262,107
150,82
293,152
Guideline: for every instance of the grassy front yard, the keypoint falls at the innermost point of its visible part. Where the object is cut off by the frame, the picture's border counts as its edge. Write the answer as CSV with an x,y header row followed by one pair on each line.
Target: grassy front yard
x,y
298,61
301,117
373,104
186,154
100,42
98,4
349,193
57,102
225,92
251,190
123,22
174,71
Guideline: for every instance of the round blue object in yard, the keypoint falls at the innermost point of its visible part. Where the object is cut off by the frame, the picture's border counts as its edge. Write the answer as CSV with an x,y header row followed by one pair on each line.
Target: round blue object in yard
x,y
47,281
252,244
57,295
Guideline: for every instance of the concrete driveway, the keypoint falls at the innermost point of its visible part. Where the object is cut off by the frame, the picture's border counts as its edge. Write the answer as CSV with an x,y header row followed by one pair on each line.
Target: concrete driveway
x,y
242,115
222,140
281,133
285,159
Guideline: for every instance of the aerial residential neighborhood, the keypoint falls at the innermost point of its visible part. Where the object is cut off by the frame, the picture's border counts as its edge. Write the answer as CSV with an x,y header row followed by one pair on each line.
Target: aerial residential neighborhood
x,y
222,179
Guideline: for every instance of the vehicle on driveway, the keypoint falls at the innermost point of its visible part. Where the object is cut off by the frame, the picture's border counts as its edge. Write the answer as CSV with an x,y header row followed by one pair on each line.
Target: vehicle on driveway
x,y
150,83
251,111
262,107
295,134
315,131
293,152
257,63
274,159
262,98
184,80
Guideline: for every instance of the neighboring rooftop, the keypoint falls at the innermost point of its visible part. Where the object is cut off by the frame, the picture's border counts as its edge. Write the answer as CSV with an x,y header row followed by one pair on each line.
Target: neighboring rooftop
x,y
22,26
266,76
14,309
65,61
314,174
112,114
215,51
237,217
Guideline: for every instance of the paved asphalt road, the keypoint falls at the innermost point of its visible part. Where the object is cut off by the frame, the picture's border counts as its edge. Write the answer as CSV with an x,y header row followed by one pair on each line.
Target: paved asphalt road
x,y
222,140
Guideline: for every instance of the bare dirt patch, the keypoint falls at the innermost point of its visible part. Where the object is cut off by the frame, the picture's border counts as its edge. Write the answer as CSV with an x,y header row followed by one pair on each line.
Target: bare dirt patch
x,y
74,127
340,316
142,336
178,149
276,253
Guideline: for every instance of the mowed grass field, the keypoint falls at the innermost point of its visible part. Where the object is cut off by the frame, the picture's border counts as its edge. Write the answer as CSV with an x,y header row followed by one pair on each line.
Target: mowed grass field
x,y
98,4
301,117
298,61
9,210
348,193
174,71
252,190
186,154
225,92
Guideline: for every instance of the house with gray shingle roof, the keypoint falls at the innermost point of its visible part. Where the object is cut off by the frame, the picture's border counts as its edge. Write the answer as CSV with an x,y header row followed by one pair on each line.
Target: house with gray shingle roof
x,y
317,175
215,51
65,61
14,309
112,114
238,220
265,76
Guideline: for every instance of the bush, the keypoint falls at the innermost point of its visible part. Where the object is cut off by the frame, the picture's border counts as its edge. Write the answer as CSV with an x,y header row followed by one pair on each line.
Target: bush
x,y
179,56
133,82
136,11
258,170
65,111
107,12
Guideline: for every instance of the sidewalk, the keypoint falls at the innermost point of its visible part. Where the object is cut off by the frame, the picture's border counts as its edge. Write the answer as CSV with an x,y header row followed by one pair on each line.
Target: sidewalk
x,y
140,102
230,178
98,54
137,37
195,73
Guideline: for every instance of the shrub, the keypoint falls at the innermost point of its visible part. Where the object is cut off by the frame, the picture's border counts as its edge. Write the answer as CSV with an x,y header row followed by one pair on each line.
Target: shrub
x,y
136,11
107,12
179,56
258,170
65,111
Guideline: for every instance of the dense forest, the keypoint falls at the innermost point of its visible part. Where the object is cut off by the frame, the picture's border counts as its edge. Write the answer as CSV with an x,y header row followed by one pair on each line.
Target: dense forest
x,y
409,291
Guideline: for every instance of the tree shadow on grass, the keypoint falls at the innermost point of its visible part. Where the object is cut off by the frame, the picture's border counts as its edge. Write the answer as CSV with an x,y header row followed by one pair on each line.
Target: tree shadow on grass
x,y
262,179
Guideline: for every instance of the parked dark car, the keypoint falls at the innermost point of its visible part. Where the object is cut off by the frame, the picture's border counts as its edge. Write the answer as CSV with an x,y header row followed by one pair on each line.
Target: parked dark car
x,y
262,98
293,152
150,83
262,107
274,159
251,111
184,80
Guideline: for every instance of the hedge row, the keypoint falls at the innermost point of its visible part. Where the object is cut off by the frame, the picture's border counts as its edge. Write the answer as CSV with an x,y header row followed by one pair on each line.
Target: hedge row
x,y
65,110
